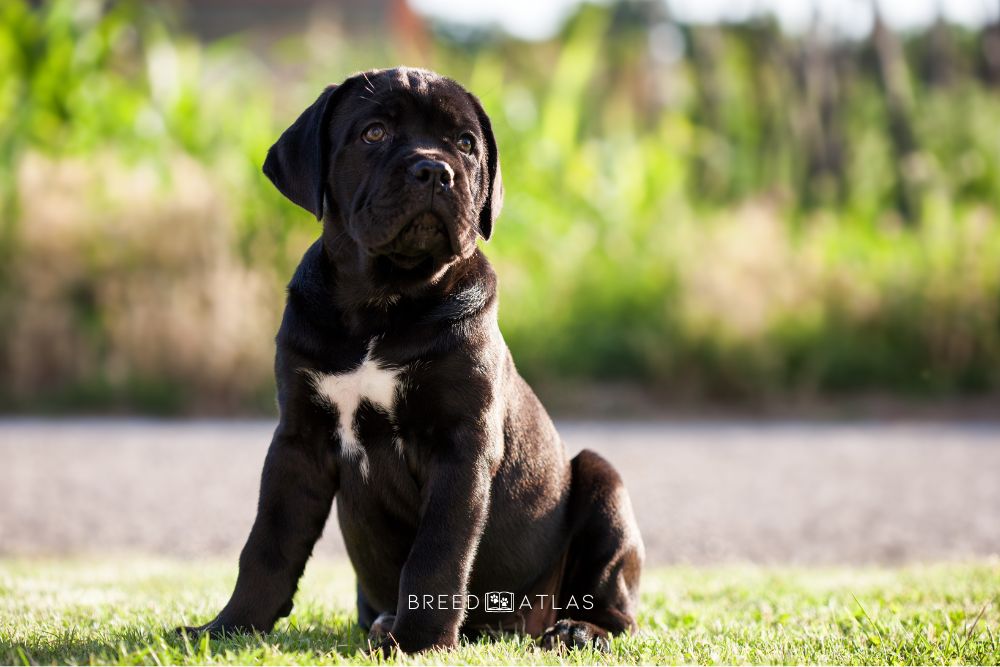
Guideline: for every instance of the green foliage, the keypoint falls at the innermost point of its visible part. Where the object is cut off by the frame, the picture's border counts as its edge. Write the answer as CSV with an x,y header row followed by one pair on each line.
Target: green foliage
x,y
724,226
123,612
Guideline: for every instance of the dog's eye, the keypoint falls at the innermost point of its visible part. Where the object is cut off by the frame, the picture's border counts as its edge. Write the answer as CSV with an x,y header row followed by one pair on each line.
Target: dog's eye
x,y
374,133
466,142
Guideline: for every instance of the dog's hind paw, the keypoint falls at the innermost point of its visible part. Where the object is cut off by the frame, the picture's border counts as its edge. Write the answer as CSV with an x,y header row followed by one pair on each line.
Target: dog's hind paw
x,y
380,634
568,633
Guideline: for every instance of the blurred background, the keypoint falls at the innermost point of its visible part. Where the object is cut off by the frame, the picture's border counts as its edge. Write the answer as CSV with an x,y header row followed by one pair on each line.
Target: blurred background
x,y
755,205
715,210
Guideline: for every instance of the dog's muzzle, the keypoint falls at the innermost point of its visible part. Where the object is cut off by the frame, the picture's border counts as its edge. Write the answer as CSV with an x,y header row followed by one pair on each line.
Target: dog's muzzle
x,y
424,237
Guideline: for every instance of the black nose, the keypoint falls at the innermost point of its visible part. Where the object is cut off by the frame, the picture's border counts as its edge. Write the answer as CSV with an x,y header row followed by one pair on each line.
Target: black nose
x,y
433,173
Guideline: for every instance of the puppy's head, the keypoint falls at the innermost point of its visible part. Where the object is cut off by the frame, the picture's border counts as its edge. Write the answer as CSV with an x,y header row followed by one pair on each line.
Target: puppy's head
x,y
401,165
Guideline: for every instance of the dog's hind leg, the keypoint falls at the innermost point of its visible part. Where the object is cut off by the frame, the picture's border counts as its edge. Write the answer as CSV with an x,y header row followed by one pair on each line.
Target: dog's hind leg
x,y
600,586
377,625
366,612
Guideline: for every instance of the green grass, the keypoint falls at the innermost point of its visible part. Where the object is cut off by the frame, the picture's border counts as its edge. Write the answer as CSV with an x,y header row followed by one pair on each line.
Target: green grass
x,y
122,612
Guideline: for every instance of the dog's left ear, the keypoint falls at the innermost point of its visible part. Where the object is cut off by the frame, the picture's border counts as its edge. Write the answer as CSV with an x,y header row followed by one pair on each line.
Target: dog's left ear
x,y
299,160
494,186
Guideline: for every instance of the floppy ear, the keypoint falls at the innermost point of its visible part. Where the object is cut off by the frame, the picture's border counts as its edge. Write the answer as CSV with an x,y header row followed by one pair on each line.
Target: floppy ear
x,y
299,161
494,193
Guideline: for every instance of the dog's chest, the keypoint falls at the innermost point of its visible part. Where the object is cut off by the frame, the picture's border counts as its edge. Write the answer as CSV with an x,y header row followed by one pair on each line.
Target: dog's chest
x,y
372,381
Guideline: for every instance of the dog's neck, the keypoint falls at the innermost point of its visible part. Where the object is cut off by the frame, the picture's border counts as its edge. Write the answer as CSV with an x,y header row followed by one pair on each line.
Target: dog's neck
x,y
463,289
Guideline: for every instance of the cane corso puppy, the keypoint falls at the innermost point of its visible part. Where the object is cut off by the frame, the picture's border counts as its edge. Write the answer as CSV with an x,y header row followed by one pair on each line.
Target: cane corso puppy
x,y
459,507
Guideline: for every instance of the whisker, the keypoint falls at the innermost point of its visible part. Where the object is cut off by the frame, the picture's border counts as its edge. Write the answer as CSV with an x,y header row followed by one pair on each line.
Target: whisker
x,y
370,87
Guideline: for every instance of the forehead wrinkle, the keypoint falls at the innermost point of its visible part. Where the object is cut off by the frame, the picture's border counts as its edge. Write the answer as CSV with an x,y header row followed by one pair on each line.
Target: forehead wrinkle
x,y
382,87
413,94
403,104
369,100
418,83
400,78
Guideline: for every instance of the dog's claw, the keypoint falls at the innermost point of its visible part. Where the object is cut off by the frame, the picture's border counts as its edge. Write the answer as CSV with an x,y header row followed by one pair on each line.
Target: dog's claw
x,y
568,634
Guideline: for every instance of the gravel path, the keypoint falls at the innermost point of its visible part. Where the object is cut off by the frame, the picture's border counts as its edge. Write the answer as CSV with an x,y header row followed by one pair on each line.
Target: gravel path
x,y
763,492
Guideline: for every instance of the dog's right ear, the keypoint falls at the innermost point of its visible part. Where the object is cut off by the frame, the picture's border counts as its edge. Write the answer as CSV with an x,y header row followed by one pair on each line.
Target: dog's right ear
x,y
494,181
299,161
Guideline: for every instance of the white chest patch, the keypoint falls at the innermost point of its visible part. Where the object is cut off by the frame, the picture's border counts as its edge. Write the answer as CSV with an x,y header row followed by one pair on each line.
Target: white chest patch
x,y
370,381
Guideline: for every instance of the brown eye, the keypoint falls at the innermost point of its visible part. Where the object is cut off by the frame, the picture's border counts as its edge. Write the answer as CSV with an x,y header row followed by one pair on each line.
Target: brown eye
x,y
374,133
466,142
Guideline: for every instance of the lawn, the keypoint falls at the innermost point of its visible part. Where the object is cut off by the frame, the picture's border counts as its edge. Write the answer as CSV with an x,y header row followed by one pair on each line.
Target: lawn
x,y
121,611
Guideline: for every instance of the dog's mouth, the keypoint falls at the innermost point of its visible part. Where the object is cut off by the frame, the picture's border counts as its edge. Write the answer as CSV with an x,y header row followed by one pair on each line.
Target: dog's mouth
x,y
422,241
409,262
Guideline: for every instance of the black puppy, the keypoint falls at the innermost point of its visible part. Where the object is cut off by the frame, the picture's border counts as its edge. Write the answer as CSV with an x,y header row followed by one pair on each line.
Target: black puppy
x,y
398,396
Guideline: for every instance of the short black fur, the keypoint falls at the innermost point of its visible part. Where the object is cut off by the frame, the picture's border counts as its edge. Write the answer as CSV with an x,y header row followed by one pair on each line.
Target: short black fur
x,y
460,485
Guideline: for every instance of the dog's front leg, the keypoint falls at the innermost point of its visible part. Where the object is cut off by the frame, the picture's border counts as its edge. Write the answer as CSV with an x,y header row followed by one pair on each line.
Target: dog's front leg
x,y
454,506
296,490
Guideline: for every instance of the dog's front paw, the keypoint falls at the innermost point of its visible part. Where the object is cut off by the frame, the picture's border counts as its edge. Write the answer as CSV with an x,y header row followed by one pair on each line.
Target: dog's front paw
x,y
218,629
215,630
402,640
229,623
575,634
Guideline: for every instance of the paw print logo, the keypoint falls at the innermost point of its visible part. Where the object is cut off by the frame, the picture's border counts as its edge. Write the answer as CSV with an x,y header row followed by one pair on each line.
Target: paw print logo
x,y
500,601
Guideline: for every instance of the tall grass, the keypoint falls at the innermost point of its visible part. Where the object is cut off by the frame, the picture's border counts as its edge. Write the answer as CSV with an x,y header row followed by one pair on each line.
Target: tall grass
x,y
671,224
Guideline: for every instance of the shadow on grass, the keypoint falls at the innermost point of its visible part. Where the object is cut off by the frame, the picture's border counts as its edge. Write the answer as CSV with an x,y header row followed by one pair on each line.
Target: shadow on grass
x,y
133,645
